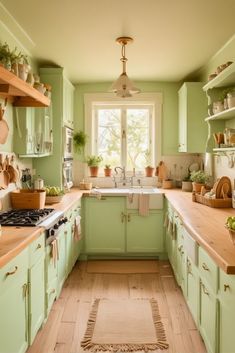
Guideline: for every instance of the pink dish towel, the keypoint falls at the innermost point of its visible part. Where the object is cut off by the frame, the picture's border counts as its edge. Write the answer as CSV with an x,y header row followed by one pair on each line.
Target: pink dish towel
x,y
143,204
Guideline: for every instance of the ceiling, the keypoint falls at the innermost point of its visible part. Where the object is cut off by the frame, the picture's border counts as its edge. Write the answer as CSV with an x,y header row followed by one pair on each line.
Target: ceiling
x,y
172,38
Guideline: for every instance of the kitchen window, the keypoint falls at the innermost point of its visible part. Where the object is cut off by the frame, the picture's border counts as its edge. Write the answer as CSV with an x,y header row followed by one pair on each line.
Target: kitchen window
x,y
127,132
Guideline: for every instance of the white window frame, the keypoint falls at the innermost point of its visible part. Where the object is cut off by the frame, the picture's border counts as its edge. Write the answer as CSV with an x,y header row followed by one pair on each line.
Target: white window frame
x,y
103,99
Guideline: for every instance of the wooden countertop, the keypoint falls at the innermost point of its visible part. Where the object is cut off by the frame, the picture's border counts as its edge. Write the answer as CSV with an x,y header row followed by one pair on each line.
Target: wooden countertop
x,y
206,225
15,239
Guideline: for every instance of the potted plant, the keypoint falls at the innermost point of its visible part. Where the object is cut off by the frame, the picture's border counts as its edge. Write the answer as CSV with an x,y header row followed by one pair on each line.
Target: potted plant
x,y
149,171
199,179
79,141
5,56
93,163
107,170
187,183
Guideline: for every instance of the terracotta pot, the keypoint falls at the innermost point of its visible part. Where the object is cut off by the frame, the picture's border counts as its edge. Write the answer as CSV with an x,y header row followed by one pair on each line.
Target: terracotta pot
x,y
94,171
107,172
197,187
149,171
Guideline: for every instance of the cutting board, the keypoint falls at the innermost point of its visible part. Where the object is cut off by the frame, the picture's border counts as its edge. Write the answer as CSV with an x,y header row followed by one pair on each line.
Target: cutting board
x,y
162,171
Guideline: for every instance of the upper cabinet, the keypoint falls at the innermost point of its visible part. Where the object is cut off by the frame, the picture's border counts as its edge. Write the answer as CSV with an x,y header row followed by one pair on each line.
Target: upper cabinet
x,y
24,94
192,110
68,100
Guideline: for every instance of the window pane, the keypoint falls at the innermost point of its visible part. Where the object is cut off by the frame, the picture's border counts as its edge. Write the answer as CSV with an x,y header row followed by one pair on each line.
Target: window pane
x,y
109,136
138,144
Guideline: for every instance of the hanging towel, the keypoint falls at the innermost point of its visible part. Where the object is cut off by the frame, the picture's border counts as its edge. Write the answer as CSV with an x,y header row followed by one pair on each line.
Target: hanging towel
x,y
77,229
143,204
54,251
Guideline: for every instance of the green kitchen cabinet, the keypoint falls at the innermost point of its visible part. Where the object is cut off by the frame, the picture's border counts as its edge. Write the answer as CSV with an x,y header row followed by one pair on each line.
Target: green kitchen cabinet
x,y
61,263
192,112
208,316
51,279
144,234
68,102
226,313
180,266
14,305
62,105
24,131
105,225
192,288
36,286
36,298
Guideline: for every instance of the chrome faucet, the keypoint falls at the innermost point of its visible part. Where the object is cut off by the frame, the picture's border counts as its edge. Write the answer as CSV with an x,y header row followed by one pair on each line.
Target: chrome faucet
x,y
123,170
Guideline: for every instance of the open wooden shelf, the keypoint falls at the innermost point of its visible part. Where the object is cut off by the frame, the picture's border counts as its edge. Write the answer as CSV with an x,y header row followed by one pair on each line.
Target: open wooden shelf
x,y
24,94
224,115
224,78
224,149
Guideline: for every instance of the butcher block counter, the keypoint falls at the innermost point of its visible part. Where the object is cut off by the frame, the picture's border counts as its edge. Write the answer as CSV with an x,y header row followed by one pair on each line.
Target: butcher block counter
x,y
15,239
206,225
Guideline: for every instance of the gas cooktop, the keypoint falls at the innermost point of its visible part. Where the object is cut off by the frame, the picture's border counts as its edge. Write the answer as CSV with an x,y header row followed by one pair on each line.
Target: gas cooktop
x,y
25,218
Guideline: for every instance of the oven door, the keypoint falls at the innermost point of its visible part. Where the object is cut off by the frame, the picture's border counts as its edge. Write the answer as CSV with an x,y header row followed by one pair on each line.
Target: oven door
x,y
68,174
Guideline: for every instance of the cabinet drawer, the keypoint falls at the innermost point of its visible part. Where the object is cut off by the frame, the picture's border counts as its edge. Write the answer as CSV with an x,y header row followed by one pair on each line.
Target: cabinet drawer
x,y
36,250
227,286
12,271
208,269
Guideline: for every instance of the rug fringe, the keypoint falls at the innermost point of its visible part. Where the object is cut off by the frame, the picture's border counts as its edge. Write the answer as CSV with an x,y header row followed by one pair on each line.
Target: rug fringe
x,y
87,343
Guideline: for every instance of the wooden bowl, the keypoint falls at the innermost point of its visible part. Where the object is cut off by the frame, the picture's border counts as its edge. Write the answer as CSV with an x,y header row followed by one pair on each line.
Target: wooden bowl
x,y
53,199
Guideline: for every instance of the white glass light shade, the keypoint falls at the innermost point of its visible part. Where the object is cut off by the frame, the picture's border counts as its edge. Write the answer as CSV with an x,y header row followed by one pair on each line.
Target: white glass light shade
x,y
123,86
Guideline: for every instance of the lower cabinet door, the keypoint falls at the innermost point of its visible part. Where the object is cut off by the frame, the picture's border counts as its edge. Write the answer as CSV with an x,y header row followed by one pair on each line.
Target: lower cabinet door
x,y
105,225
69,248
208,317
61,264
226,327
14,317
145,234
192,289
36,298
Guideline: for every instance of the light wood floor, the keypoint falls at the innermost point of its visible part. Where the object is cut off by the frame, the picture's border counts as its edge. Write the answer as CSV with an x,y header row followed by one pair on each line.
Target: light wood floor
x,y
66,324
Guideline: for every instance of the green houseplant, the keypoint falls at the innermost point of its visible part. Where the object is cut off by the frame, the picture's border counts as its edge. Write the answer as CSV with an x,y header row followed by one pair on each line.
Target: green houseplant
x,y
107,170
148,169
93,163
199,179
79,141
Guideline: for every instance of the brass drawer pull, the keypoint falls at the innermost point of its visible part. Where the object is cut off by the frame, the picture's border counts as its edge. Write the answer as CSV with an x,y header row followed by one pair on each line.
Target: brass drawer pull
x,y
128,217
204,289
12,272
204,266
189,267
226,286
38,246
123,216
52,291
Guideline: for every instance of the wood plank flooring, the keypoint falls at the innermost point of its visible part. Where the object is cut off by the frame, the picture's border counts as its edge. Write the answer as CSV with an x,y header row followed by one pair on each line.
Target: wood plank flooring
x,y
66,324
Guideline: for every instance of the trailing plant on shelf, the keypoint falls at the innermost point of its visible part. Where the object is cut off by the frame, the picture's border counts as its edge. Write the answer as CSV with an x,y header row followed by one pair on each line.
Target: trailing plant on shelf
x,y
79,141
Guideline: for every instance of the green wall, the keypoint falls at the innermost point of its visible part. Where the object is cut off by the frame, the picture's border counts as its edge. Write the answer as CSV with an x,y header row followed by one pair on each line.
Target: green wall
x,y
169,116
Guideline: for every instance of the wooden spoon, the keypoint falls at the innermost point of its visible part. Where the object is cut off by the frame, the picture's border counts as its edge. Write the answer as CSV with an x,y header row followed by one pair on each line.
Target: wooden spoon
x,y
4,128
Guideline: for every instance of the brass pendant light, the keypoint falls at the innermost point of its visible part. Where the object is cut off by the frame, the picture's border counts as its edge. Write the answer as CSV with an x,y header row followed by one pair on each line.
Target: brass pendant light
x,y
123,87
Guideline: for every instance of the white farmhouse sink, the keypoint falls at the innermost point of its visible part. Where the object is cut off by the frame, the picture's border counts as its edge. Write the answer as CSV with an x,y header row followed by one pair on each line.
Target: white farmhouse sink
x,y
132,195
